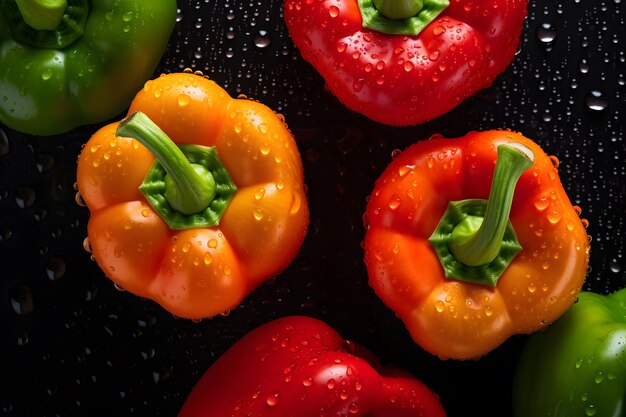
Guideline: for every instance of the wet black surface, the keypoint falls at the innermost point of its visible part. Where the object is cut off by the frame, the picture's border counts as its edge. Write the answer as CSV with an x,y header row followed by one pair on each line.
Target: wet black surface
x,y
71,344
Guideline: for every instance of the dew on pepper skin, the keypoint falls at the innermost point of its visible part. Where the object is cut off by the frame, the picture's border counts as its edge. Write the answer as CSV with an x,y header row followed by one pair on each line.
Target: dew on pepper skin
x,y
183,100
394,202
212,243
272,400
330,384
296,204
542,203
333,11
258,213
86,245
307,382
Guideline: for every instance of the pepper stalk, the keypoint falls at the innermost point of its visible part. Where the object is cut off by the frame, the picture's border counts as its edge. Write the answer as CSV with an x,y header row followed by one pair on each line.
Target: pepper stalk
x,y
474,239
400,17
188,185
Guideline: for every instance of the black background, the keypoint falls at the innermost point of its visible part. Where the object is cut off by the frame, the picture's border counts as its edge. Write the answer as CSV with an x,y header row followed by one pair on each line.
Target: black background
x,y
71,344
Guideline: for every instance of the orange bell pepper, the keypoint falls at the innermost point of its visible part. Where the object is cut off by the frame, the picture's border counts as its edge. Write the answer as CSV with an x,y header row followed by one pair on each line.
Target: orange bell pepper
x,y
464,274
195,242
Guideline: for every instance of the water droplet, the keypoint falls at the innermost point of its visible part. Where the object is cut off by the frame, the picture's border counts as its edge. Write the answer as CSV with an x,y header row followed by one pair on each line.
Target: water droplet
x,y
330,384
55,268
542,203
440,306
183,100
546,33
353,409
307,382
596,101
259,194
333,11
4,143
207,258
212,243
296,204
22,300
615,267
258,213
262,40
87,245
272,400
24,197
555,161
438,30
46,74
554,216
394,202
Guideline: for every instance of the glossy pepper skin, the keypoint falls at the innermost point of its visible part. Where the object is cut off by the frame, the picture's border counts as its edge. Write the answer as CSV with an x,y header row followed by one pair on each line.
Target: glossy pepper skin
x,y
200,271
453,318
576,367
399,79
300,367
51,89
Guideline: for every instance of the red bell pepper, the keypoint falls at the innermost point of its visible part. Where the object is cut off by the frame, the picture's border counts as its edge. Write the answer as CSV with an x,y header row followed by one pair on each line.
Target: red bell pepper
x,y
299,366
406,62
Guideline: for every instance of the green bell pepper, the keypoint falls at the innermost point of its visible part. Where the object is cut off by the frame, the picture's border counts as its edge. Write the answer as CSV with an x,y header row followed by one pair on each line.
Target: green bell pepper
x,y
576,367
68,63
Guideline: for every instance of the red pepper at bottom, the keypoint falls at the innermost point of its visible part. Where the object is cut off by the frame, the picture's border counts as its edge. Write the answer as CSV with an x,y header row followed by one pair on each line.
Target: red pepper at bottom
x,y
300,367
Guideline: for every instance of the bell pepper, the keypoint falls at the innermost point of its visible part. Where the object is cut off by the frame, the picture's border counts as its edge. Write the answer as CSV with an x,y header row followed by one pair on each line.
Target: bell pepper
x,y
405,62
221,209
576,367
471,240
300,367
68,63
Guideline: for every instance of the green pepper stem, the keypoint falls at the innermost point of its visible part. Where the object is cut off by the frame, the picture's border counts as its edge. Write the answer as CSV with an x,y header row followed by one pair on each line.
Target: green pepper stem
x,y
42,14
190,187
400,17
477,242
399,9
